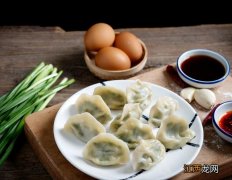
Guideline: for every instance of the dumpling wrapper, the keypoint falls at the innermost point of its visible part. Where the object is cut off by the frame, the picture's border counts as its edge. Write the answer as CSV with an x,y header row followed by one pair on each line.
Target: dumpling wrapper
x,y
147,154
164,107
139,92
95,105
133,130
129,111
106,149
113,97
174,132
84,126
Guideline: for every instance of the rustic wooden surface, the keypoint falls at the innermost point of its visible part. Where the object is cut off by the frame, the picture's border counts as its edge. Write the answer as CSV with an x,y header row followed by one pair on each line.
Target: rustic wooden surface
x,y
23,48
38,128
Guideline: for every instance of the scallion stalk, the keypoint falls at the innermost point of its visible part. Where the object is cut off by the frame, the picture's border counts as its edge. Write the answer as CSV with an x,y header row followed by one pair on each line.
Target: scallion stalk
x,y
30,95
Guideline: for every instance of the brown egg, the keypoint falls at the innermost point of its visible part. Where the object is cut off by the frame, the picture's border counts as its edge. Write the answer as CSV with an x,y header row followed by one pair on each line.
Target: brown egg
x,y
111,58
130,44
98,36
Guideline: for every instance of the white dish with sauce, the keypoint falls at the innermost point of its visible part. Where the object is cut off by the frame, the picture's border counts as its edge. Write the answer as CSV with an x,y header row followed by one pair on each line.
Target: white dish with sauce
x,y
202,68
219,115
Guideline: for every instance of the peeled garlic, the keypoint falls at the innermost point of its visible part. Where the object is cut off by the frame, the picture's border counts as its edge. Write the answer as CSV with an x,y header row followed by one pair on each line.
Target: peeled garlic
x,y
205,97
188,94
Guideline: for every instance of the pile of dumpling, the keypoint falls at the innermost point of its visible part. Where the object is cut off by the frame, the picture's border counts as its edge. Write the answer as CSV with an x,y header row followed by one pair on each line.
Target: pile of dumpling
x,y
127,131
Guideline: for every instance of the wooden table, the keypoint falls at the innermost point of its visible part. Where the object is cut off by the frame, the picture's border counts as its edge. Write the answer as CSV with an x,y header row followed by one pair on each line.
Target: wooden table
x,y
22,48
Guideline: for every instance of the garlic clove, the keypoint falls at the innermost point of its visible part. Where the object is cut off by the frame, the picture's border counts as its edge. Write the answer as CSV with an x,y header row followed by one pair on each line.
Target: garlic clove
x,y
188,94
205,97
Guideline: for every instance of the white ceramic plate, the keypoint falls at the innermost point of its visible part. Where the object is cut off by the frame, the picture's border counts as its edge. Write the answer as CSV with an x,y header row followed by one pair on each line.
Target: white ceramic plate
x,y
72,148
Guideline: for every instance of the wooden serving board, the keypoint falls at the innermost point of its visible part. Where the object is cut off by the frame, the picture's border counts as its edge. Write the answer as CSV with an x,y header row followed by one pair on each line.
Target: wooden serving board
x,y
39,131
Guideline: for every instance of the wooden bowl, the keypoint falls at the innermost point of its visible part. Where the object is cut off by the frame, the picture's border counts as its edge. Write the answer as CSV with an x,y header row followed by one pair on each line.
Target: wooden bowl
x,y
109,74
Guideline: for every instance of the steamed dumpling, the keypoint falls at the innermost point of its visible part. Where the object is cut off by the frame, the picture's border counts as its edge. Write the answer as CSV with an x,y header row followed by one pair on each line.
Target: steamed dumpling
x,y
105,149
174,132
147,154
95,105
113,97
129,111
139,92
164,107
84,126
133,130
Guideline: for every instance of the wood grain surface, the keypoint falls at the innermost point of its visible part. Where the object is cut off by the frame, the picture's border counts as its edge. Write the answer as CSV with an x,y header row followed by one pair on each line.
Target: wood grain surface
x,y
21,49
39,127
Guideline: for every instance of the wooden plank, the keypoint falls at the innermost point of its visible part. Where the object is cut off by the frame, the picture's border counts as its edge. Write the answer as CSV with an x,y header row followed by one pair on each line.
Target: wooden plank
x,y
42,141
21,51
29,29
39,132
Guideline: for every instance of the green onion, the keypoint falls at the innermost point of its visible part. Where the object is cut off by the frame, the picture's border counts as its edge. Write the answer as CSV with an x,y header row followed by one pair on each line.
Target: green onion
x,y
30,95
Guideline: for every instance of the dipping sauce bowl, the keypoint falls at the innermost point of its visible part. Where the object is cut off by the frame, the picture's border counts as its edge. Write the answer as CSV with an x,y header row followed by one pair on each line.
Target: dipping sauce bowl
x,y
222,120
202,68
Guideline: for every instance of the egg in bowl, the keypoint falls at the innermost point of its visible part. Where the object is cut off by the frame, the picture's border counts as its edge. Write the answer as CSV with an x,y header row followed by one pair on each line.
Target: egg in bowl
x,y
114,74
114,56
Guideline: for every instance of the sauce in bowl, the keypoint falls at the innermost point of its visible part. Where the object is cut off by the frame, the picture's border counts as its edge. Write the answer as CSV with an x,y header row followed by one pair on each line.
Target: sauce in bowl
x,y
226,122
203,68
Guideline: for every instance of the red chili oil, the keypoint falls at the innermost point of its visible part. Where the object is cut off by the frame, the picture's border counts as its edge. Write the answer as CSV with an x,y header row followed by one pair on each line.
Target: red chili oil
x,y
226,122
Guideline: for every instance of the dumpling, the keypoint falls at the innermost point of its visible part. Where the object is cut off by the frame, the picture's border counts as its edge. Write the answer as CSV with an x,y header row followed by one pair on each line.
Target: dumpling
x,y
95,105
129,111
113,97
164,107
84,126
133,130
139,92
147,154
174,132
105,149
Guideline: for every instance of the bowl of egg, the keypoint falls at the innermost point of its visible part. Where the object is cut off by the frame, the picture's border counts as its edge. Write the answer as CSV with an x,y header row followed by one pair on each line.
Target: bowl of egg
x,y
113,55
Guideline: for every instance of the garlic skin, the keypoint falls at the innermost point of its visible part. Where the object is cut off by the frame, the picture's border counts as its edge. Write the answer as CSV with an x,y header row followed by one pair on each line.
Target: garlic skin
x,y
188,94
205,97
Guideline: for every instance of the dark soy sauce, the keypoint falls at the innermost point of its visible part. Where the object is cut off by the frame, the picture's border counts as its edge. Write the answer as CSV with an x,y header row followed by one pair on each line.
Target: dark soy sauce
x,y
203,68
